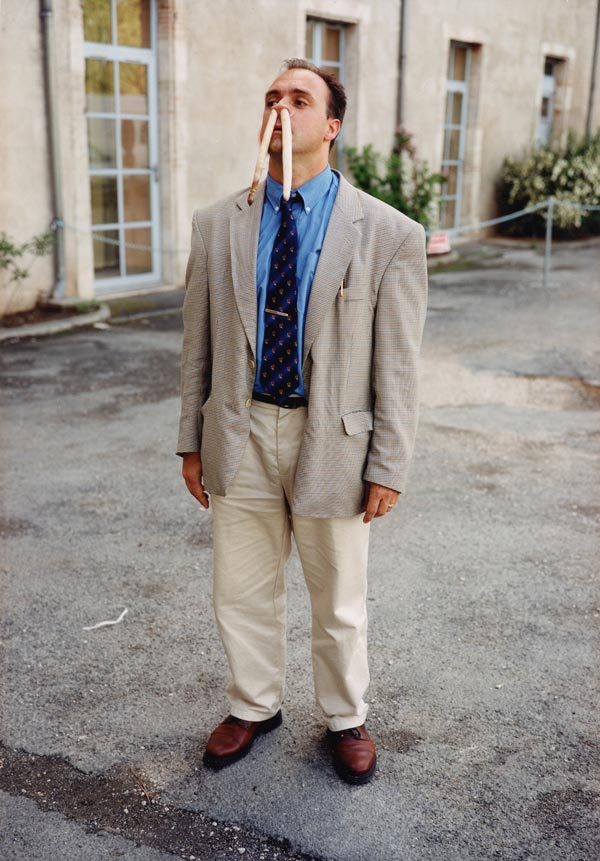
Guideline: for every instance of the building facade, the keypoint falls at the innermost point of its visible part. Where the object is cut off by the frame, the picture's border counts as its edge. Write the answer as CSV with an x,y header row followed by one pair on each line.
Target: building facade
x,y
122,116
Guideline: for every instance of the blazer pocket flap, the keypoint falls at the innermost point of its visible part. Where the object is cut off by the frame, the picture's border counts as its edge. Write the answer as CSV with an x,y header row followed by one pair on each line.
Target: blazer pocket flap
x,y
358,422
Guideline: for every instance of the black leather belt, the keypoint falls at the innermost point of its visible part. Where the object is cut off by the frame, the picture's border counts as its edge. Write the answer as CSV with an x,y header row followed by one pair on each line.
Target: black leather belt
x,y
292,402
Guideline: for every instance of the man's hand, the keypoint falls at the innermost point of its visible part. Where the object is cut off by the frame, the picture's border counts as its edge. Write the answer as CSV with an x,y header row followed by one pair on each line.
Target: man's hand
x,y
379,500
192,474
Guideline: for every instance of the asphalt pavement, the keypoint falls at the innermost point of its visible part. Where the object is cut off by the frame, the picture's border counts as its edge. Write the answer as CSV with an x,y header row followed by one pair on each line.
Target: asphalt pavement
x,y
484,604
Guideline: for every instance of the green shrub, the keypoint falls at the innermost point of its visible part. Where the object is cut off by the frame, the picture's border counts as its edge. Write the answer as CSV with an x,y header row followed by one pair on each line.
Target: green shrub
x,y
570,173
400,180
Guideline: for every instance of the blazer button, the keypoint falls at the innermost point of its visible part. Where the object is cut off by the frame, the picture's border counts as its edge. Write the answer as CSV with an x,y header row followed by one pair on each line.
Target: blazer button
x,y
252,363
248,402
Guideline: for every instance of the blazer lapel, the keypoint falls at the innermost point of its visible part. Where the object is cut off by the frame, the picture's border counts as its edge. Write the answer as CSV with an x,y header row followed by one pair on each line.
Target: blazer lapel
x,y
244,227
339,245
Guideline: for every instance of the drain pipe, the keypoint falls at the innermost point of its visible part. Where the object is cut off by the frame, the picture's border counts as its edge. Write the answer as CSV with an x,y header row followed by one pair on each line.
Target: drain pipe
x,y
51,93
588,125
401,63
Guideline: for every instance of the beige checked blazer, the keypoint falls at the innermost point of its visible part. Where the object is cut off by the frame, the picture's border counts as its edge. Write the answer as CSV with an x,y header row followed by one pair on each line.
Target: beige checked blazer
x,y
361,346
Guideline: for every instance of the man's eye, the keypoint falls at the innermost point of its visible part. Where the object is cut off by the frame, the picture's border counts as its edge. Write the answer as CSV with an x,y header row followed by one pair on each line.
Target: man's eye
x,y
300,102
270,103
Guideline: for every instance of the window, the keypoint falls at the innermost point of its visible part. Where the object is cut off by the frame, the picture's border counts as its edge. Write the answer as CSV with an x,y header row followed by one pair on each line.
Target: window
x,y
455,126
547,104
325,47
120,91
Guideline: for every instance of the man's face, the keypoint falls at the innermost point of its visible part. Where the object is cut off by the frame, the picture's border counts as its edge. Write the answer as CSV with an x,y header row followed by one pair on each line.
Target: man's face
x,y
306,96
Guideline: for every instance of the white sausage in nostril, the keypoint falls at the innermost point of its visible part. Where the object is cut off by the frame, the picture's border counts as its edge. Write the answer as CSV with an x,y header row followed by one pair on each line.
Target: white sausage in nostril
x,y
262,154
286,140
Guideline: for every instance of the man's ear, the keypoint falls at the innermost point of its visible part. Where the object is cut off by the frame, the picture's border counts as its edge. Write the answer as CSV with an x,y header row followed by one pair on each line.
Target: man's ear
x,y
333,129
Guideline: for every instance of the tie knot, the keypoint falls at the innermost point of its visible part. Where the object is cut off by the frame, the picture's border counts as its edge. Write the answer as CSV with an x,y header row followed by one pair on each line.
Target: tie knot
x,y
295,198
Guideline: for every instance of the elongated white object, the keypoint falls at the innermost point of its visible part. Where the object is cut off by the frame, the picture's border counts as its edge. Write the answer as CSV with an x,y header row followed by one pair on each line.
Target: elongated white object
x,y
104,624
286,142
262,154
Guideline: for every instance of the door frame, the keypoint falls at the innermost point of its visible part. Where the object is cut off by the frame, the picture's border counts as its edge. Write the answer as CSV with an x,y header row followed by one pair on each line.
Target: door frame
x,y
147,56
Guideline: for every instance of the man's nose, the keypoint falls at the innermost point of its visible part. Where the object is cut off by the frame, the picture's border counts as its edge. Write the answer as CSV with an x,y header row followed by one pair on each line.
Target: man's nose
x,y
283,103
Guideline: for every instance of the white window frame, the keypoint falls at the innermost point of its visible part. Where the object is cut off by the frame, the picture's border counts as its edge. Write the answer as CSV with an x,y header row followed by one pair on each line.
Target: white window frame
x,y
319,25
453,86
544,127
125,54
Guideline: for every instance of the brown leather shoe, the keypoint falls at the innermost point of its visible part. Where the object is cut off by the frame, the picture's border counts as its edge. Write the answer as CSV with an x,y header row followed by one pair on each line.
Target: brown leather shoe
x,y
233,738
354,754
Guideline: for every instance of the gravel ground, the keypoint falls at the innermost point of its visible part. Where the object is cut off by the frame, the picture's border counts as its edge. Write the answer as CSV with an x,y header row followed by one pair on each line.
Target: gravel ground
x,y
484,604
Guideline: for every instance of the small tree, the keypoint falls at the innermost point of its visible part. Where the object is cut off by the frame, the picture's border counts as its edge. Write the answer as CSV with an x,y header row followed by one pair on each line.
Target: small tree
x,y
399,180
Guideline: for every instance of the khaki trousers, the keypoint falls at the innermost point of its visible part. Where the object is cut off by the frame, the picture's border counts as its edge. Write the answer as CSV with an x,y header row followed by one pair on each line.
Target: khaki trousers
x,y
252,529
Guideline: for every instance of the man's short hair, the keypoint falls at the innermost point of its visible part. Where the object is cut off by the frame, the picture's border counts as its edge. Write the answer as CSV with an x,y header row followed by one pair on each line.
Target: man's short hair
x,y
336,107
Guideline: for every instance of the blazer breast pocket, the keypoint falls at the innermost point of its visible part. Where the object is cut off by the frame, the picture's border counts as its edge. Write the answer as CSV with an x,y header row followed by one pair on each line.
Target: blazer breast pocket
x,y
354,293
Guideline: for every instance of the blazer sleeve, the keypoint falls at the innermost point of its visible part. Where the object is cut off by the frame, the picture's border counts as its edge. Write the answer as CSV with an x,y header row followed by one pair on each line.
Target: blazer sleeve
x,y
398,331
196,354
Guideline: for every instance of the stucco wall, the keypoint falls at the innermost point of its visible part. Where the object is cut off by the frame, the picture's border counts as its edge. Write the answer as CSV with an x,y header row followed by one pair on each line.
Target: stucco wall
x,y
515,36
25,204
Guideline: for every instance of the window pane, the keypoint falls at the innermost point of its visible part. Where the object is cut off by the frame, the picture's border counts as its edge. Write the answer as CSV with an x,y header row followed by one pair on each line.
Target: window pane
x,y
133,23
447,215
133,83
99,85
331,46
136,198
333,70
134,143
96,20
102,146
460,63
309,49
450,171
545,106
106,254
455,107
103,193
453,140
138,260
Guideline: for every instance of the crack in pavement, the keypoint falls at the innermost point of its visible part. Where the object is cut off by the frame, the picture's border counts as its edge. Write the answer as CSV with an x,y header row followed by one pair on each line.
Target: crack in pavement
x,y
124,802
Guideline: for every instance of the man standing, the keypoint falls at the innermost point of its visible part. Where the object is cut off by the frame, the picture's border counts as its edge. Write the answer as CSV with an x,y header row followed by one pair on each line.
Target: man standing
x,y
302,326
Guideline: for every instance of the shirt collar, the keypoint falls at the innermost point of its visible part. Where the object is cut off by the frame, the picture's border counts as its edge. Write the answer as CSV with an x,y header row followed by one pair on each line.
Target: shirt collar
x,y
312,191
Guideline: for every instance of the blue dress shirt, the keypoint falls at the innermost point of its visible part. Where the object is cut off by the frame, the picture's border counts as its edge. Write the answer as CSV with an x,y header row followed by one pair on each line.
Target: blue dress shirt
x,y
318,196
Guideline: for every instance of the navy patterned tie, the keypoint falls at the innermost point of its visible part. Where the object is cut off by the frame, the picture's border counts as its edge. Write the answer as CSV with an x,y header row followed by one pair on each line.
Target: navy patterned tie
x,y
279,369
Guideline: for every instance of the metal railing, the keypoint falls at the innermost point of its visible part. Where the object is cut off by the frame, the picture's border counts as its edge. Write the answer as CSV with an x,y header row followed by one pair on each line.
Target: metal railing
x,y
550,203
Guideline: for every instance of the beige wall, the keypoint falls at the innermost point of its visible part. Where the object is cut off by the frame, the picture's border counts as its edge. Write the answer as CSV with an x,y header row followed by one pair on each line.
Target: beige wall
x,y
514,36
26,194
25,203
215,60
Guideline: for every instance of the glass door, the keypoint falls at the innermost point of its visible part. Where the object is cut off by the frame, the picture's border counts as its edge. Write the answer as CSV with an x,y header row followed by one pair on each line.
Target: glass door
x,y
455,131
121,112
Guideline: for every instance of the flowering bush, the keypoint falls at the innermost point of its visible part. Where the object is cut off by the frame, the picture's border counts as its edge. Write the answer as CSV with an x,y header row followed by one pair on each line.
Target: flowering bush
x,y
405,183
571,173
